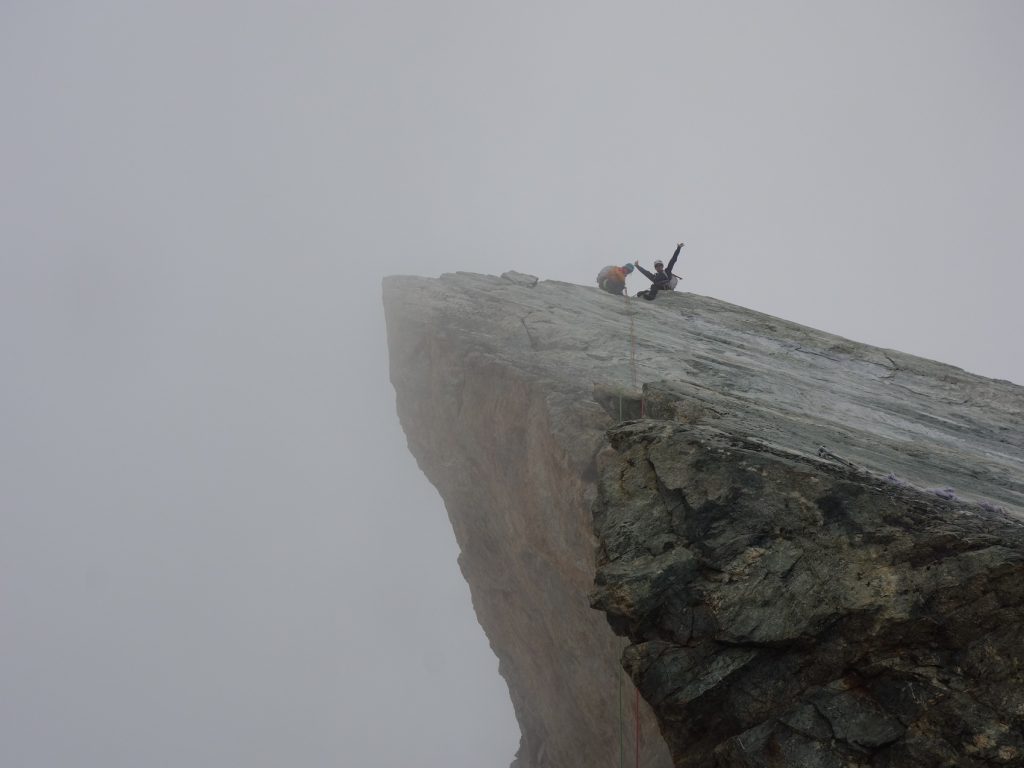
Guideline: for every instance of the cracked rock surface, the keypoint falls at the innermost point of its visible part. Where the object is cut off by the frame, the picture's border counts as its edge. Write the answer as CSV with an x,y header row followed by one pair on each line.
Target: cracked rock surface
x,y
788,611
807,551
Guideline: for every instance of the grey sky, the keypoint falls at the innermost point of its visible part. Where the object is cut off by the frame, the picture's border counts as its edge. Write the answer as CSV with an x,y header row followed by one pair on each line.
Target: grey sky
x,y
216,550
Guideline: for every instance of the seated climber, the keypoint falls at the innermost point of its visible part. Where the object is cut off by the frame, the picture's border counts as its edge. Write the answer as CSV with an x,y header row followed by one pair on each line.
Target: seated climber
x,y
613,279
662,279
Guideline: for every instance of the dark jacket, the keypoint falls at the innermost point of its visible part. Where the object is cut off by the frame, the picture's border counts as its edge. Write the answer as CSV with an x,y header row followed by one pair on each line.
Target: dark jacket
x,y
663,281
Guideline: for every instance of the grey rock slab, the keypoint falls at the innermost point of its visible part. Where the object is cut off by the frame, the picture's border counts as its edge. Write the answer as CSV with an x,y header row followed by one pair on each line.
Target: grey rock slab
x,y
783,494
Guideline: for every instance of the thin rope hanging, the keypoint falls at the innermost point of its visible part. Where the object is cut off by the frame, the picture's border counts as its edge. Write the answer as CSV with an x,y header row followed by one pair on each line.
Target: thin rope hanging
x,y
632,340
632,356
636,717
622,747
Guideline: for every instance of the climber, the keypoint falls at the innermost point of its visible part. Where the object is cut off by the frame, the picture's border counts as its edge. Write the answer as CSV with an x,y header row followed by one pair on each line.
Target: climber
x,y
662,279
613,279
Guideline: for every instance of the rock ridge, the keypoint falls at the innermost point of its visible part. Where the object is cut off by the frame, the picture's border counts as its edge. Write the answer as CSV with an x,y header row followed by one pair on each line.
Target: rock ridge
x,y
801,540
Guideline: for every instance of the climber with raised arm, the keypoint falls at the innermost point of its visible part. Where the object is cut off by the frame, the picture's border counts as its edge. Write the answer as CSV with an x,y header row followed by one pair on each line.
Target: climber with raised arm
x,y
613,279
662,278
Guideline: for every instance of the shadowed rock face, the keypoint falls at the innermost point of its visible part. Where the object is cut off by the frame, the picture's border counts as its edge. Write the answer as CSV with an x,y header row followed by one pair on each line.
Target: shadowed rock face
x,y
790,591
791,611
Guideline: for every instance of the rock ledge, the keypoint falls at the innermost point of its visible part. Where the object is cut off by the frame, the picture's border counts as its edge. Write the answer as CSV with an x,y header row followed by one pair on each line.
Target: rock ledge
x,y
810,548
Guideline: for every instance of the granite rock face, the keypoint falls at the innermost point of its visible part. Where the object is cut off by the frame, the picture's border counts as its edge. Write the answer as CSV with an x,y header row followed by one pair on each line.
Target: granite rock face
x,y
788,610
811,548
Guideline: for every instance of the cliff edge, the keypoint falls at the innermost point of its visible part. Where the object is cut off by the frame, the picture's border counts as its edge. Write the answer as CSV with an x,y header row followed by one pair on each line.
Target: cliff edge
x,y
805,550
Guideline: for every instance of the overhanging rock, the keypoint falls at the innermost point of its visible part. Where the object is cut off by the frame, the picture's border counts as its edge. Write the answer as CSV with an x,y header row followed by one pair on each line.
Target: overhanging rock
x,y
793,507
789,610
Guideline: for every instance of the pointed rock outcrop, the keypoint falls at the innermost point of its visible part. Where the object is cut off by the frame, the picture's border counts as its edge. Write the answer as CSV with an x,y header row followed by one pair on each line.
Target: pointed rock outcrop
x,y
805,551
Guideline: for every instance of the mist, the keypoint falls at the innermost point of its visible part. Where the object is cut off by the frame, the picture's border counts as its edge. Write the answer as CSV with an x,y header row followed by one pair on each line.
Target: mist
x,y
217,549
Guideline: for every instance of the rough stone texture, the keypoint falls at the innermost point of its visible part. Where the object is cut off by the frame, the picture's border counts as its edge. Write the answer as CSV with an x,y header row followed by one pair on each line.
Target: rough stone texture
x,y
787,610
509,443
774,541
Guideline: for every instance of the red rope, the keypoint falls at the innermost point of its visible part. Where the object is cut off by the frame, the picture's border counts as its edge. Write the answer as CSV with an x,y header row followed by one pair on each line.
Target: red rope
x,y
636,713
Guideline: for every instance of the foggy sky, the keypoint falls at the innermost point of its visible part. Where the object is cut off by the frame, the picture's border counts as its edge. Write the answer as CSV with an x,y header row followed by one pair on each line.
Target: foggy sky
x,y
216,549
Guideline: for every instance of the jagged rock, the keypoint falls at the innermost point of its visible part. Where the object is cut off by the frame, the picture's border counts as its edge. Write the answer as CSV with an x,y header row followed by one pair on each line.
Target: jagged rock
x,y
792,592
786,610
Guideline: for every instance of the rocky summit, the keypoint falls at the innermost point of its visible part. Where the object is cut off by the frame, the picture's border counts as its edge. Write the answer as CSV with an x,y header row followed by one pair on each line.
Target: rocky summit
x,y
802,551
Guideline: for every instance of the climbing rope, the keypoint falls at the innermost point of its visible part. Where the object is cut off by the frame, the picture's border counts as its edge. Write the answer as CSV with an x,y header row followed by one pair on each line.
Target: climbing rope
x,y
637,737
632,355
632,340
622,751
636,718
